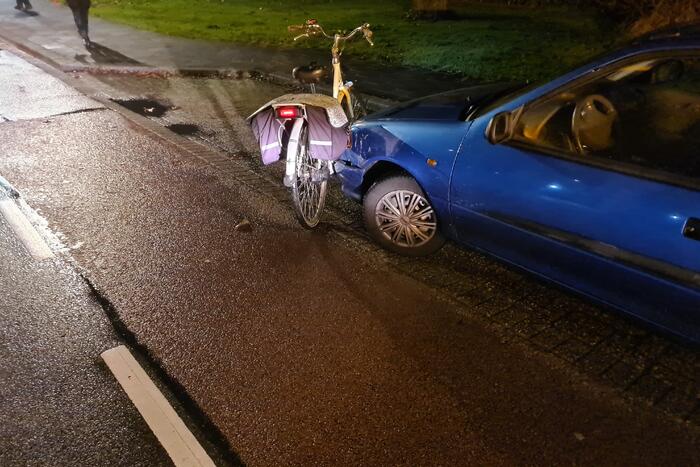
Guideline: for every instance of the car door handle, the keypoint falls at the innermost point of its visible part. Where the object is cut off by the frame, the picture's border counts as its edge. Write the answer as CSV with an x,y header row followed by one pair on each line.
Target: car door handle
x,y
692,228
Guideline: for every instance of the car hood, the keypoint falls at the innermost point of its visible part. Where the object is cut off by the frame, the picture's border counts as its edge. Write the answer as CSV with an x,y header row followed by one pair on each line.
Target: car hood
x,y
451,105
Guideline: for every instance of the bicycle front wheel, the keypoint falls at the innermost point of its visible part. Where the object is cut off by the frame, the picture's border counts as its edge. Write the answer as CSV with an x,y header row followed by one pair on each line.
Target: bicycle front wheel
x,y
310,184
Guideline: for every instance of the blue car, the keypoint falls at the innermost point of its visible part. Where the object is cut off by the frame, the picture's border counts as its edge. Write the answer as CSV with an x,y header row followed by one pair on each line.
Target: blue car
x,y
591,180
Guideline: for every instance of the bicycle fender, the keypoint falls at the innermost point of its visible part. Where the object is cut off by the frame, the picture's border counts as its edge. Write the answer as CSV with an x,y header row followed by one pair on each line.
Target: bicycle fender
x,y
292,149
334,111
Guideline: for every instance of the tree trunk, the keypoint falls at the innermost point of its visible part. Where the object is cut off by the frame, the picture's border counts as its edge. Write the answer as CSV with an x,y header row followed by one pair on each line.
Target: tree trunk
x,y
665,13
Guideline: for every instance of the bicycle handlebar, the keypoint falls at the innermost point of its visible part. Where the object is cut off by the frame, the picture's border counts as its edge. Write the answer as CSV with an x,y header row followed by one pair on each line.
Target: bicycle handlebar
x,y
312,28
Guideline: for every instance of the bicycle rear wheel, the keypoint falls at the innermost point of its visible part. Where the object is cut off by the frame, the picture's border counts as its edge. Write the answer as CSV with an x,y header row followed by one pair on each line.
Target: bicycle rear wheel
x,y
310,184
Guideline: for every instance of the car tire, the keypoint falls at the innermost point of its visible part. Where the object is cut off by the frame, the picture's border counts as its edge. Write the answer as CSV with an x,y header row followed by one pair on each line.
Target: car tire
x,y
398,215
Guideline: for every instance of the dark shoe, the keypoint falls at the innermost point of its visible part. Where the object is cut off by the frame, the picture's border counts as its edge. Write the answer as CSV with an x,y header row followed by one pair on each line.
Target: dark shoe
x,y
87,42
17,7
28,6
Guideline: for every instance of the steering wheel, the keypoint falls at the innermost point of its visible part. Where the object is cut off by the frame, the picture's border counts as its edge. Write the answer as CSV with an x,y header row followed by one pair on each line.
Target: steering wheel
x,y
592,123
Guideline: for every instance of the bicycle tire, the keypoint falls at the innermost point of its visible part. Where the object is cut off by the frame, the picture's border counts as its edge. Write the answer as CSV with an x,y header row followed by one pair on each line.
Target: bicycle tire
x,y
308,196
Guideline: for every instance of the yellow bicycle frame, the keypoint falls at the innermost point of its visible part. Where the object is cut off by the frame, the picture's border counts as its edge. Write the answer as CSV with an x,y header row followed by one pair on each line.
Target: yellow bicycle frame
x,y
340,91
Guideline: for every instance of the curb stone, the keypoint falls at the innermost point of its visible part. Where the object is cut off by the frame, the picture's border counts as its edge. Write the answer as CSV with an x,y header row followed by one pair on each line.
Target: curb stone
x,y
374,102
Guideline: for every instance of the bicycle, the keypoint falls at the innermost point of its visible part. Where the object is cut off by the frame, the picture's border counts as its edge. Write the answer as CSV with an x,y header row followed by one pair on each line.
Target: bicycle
x,y
307,175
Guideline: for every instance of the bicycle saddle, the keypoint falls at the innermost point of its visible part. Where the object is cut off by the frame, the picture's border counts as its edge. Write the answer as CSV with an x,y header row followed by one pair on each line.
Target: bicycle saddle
x,y
309,74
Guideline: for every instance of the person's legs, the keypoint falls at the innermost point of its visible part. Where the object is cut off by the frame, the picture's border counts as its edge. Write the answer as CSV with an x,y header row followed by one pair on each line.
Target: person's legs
x,y
84,8
84,19
81,23
77,19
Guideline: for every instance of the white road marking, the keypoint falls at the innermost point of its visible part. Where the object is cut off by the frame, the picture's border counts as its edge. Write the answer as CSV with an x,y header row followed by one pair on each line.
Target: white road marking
x,y
25,231
181,445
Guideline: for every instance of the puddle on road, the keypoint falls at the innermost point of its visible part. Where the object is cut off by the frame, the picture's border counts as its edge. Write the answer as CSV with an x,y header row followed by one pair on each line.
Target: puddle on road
x,y
214,108
184,129
195,95
145,107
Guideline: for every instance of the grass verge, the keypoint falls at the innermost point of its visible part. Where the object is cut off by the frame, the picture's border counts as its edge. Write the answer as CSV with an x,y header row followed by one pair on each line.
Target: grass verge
x,y
484,42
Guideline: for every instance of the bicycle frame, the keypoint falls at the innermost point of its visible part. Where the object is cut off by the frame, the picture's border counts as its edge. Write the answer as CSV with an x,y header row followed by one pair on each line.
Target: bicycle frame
x,y
292,147
338,85
341,91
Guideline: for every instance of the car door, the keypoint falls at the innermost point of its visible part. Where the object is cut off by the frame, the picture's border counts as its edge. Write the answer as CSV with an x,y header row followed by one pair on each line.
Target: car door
x,y
609,205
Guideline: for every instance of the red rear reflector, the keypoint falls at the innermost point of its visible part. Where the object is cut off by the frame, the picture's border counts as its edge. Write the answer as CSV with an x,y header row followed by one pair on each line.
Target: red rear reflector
x,y
288,112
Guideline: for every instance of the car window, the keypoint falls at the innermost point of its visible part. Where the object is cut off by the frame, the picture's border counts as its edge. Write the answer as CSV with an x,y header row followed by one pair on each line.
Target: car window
x,y
645,113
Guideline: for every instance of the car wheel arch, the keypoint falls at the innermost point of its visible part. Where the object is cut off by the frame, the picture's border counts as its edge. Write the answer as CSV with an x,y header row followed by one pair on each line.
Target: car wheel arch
x,y
381,170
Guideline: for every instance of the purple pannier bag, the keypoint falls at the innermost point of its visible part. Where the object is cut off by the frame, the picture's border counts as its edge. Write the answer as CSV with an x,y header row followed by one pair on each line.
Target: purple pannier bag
x,y
325,141
267,130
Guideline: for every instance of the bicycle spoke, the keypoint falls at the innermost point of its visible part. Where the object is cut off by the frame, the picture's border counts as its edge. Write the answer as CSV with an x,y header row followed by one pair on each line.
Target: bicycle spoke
x,y
308,195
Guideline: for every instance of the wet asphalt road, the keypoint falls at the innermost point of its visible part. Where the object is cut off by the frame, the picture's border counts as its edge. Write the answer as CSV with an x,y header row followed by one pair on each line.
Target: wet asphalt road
x,y
300,351
60,405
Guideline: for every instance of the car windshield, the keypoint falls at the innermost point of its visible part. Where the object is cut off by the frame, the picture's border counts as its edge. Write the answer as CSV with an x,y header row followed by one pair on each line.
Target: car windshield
x,y
503,97
527,87
474,105
655,70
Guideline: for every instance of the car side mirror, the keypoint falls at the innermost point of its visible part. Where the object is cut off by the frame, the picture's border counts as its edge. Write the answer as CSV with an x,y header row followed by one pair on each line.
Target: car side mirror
x,y
500,128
